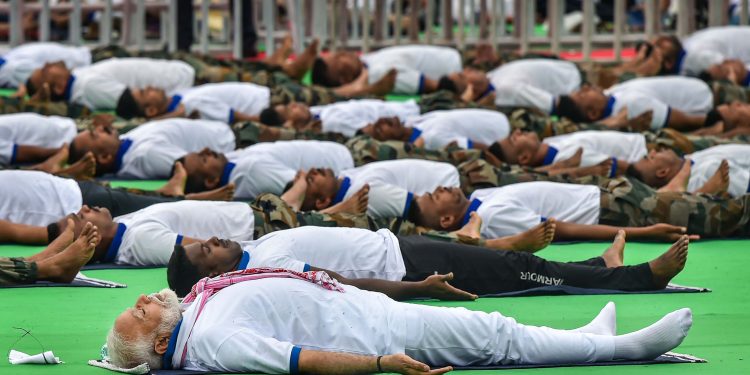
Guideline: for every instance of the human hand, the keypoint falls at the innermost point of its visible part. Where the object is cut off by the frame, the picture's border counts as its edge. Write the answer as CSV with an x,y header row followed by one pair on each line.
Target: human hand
x,y
437,286
403,364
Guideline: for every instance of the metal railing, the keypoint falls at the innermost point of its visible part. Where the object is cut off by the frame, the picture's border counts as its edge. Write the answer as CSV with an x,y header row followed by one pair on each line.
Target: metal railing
x,y
368,24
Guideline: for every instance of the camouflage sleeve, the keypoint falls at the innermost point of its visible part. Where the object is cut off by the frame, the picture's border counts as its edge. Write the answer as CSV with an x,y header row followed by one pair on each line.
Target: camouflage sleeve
x,y
15,271
49,108
250,133
365,149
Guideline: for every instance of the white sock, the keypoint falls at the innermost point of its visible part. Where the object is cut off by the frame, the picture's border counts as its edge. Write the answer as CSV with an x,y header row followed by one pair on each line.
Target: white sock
x,y
603,324
656,339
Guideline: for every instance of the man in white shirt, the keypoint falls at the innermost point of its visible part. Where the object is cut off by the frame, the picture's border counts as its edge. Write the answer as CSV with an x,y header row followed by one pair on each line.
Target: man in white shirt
x,y
17,64
32,138
712,46
585,211
150,150
466,128
263,167
393,185
419,67
346,118
114,83
533,82
525,148
676,102
715,170
360,253
309,323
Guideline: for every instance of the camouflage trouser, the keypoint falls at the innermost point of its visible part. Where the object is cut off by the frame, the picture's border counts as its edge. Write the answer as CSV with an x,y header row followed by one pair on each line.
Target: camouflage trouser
x,y
686,144
272,214
17,105
14,271
250,133
726,92
479,174
547,126
628,202
366,150
286,90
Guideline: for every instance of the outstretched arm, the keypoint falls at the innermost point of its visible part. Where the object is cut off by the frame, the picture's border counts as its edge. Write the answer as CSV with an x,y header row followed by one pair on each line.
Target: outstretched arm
x,y
319,362
658,232
684,122
435,286
22,233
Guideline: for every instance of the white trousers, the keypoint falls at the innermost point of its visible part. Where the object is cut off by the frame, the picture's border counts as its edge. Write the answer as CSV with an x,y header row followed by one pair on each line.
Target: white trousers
x,y
440,335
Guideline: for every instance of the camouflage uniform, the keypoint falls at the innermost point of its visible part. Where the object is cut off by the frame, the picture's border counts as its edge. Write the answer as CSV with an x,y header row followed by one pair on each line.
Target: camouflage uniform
x,y
15,271
545,125
479,174
726,92
629,202
49,108
250,133
366,150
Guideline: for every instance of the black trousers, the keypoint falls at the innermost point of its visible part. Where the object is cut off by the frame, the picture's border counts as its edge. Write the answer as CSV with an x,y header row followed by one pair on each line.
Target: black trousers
x,y
484,271
118,200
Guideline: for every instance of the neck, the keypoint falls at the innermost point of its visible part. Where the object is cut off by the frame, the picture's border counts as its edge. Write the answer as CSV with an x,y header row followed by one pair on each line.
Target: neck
x,y
540,154
407,134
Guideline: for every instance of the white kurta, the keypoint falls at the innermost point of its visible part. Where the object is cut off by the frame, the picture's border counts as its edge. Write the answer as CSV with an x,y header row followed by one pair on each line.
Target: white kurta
x,y
21,61
31,129
462,126
350,116
413,63
706,163
220,101
37,198
599,146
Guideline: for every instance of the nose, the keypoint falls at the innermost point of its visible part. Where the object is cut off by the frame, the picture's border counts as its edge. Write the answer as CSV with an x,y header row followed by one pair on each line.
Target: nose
x,y
143,299
85,208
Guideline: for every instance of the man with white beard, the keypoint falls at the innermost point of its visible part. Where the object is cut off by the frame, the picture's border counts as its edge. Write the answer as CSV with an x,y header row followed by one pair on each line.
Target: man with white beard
x,y
280,321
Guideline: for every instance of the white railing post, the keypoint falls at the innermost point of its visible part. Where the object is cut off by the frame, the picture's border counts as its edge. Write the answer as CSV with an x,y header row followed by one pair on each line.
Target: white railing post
x,y
172,27
105,24
461,37
269,19
493,23
651,14
366,26
716,9
743,12
237,29
554,19
296,16
522,19
588,28
74,25
140,24
397,29
44,21
204,26
16,16
619,27
320,20
429,20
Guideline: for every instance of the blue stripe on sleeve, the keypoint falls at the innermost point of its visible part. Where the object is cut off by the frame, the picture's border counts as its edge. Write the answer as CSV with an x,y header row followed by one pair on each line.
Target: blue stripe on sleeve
x,y
294,360
178,241
14,154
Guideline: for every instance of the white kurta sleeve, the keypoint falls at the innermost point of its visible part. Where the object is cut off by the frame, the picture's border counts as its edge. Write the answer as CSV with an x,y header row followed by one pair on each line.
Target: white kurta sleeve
x,y
6,151
155,163
387,201
153,245
408,81
210,109
228,348
507,220
641,104
518,94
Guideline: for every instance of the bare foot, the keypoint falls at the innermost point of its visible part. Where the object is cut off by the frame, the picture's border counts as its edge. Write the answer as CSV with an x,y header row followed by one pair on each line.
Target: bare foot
x,y
59,244
718,184
468,94
303,63
613,256
471,231
224,193
281,54
84,169
356,204
384,85
669,264
54,163
679,182
175,187
531,241
296,194
64,266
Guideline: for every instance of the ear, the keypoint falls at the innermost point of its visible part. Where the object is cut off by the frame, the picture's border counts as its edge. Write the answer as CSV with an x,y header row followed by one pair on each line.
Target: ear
x,y
104,159
593,114
211,182
150,111
447,221
662,172
161,343
322,203
524,157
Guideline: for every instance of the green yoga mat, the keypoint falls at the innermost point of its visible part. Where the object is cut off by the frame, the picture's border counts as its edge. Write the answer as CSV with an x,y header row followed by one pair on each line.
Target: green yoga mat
x,y
73,321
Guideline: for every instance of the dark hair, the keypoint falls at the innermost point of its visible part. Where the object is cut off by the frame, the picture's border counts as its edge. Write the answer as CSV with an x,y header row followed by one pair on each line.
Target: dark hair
x,y
634,173
568,108
320,73
497,150
705,76
446,83
30,88
181,274
74,153
271,117
193,183
415,213
53,231
712,117
127,107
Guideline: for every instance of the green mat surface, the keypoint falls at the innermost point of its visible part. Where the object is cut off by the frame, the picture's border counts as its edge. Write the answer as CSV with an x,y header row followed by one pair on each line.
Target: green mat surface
x,y
74,321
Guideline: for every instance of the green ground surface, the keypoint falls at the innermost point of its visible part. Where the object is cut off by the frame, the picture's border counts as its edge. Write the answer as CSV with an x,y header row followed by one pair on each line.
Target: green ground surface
x,y
73,321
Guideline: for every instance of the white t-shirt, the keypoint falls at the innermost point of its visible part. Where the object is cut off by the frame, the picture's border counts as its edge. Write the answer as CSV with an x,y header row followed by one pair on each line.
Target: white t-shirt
x,y
712,46
156,145
269,166
661,95
100,85
220,101
37,198
350,116
393,183
413,63
534,83
151,233
706,162
31,129
21,61
463,126
236,331
352,252
598,146
513,209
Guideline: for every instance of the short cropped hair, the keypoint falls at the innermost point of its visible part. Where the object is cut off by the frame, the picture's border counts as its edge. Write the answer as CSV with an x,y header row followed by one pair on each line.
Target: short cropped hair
x,y
567,108
271,117
446,83
181,274
127,107
320,73
497,150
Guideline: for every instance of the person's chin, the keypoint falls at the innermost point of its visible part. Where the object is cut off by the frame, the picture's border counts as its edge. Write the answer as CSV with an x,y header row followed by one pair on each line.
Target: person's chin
x,y
235,247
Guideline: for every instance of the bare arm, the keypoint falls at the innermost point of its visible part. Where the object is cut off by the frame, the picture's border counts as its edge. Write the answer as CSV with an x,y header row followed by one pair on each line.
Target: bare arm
x,y
435,286
22,233
683,122
658,232
244,117
319,362
33,154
